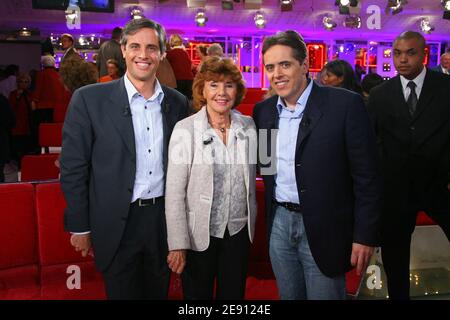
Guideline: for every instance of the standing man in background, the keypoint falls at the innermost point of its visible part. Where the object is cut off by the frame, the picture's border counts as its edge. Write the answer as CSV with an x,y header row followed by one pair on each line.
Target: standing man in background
x,y
444,66
412,121
111,50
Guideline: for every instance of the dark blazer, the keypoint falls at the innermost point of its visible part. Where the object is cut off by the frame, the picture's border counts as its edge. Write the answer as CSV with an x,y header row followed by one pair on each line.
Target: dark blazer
x,y
98,161
336,172
71,53
415,151
437,69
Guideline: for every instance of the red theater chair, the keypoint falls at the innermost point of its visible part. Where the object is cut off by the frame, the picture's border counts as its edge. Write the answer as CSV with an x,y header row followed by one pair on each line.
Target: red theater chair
x,y
50,135
56,254
254,95
246,109
19,274
39,167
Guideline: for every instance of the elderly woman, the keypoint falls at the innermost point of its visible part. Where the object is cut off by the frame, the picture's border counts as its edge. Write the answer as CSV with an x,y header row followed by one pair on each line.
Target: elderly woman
x,y
210,188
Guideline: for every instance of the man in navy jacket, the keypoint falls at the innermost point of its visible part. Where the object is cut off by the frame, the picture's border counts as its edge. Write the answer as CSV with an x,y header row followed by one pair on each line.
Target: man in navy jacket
x,y
321,179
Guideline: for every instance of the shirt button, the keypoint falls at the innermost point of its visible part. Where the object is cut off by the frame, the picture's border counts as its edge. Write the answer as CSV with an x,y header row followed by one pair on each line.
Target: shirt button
x,y
150,172
149,150
299,165
145,107
148,128
412,128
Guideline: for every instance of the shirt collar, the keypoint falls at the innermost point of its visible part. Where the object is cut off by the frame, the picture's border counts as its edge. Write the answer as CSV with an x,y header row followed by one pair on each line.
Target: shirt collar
x,y
132,91
417,80
301,102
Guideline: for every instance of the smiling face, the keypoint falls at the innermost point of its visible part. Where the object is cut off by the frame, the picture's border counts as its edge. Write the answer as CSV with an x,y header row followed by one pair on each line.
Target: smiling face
x,y
286,74
142,54
408,57
220,95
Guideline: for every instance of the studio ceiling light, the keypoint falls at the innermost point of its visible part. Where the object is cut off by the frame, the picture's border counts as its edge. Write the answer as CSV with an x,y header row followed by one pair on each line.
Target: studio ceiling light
x,y
446,4
426,26
353,22
201,18
24,32
286,5
137,13
395,6
328,23
260,21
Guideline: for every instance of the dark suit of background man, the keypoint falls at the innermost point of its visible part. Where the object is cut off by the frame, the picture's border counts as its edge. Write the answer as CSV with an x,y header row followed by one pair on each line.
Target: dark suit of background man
x,y
412,119
111,50
323,196
444,66
113,165
67,44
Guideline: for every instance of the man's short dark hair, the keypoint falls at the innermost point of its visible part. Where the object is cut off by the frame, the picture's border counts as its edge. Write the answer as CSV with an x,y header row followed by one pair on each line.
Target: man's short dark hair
x,y
134,25
288,38
370,81
407,35
116,33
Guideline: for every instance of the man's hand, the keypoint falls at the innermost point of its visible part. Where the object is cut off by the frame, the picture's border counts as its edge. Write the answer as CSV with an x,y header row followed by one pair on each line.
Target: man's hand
x,y
81,242
361,255
176,259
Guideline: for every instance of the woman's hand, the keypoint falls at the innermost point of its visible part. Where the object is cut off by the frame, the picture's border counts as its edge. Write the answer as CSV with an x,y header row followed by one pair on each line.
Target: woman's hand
x,y
176,259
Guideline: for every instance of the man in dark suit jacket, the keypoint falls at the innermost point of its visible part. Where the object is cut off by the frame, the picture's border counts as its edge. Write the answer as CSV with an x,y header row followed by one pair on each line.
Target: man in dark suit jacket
x,y
110,50
67,44
412,121
321,182
444,66
113,165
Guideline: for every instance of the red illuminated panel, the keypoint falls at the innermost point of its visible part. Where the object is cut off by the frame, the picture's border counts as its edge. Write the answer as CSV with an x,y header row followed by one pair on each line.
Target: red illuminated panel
x,y
427,55
316,53
372,60
192,51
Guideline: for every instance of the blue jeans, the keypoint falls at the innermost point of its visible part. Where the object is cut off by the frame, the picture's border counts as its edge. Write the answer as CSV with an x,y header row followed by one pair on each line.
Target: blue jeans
x,y
296,272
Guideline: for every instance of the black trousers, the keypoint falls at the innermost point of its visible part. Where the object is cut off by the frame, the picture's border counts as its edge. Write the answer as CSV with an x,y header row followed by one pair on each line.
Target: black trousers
x,y
396,248
39,116
225,260
139,270
20,146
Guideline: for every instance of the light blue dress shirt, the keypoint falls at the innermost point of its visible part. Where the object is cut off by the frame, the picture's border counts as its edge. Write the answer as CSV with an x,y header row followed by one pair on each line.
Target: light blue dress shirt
x,y
289,122
149,140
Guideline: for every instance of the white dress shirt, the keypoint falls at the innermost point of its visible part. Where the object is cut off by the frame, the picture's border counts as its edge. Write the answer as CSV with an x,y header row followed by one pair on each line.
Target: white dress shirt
x,y
149,140
417,80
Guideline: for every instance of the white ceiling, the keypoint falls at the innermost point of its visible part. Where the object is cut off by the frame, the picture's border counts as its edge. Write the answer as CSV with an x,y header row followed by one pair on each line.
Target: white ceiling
x,y
177,18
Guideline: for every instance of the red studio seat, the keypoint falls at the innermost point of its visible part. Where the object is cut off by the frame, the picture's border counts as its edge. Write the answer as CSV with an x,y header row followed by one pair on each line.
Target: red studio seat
x,y
424,220
50,134
246,109
18,253
259,262
254,95
56,253
39,167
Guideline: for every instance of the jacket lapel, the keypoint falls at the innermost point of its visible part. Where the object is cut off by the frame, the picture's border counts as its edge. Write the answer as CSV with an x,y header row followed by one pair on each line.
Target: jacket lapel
x,y
120,115
425,96
399,100
311,115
